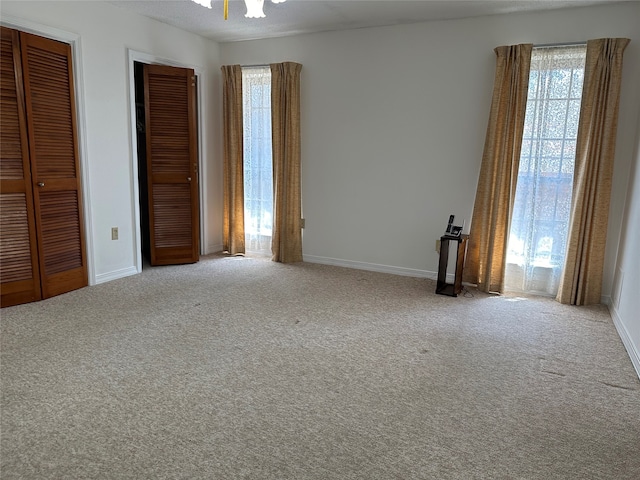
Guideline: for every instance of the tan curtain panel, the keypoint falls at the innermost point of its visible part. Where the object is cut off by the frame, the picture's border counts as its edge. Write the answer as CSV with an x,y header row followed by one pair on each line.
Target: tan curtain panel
x,y
581,281
490,223
233,179
285,124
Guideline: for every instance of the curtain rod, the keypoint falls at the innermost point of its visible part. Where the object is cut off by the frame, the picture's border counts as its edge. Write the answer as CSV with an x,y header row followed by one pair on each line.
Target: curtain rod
x,y
568,44
256,66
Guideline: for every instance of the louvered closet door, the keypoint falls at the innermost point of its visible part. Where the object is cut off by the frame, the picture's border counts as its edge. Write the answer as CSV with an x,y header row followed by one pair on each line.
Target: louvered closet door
x,y
49,94
172,168
19,272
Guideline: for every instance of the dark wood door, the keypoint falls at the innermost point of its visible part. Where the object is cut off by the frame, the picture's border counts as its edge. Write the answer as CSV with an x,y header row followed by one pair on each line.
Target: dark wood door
x,y
19,269
55,171
172,165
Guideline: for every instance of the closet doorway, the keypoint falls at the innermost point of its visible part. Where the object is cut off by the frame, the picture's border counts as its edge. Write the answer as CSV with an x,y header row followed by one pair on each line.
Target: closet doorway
x,y
168,171
42,233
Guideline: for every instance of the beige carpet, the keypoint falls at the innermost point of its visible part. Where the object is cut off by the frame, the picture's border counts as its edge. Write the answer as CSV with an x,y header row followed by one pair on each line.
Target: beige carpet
x,y
239,368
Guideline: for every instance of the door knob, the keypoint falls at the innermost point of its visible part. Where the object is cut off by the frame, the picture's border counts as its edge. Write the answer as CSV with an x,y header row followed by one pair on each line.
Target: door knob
x,y
41,184
189,179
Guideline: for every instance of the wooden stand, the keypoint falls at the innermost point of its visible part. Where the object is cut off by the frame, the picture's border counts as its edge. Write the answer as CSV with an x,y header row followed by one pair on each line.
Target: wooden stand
x,y
442,287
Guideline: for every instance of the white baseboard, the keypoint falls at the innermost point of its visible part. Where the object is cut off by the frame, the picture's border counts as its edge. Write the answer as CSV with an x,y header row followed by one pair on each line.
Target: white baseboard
x,y
116,274
632,349
212,249
375,267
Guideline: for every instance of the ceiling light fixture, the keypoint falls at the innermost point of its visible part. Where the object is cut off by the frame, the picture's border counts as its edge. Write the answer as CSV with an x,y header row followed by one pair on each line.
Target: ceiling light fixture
x,y
255,8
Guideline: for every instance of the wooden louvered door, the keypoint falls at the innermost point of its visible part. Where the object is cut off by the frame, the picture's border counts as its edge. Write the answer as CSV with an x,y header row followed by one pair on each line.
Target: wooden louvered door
x,y
55,169
19,270
42,232
172,166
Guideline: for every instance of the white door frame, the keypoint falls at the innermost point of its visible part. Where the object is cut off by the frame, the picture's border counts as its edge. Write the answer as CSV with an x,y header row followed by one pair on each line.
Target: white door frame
x,y
136,56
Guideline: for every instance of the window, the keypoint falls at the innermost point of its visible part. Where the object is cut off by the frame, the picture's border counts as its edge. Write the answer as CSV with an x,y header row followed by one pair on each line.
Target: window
x,y
258,170
540,219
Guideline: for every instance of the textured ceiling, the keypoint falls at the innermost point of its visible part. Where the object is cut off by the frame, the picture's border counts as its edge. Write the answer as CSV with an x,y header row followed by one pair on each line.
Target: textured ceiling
x,y
308,16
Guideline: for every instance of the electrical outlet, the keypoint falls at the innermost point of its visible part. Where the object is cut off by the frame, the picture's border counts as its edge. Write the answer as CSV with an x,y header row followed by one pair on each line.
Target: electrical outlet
x,y
302,223
438,246
114,233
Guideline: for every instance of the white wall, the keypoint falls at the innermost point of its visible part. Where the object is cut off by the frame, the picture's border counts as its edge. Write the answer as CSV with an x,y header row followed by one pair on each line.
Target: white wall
x,y
106,32
393,126
626,292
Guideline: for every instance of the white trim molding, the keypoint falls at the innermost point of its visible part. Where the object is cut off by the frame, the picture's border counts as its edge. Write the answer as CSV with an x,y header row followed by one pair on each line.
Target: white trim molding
x,y
213,249
375,267
633,352
116,274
